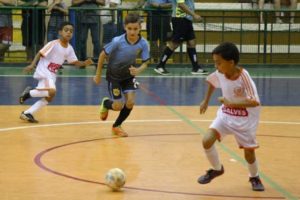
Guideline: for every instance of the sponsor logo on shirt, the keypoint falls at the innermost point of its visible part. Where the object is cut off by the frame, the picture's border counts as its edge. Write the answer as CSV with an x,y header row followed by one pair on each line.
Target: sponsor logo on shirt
x,y
239,92
240,112
52,67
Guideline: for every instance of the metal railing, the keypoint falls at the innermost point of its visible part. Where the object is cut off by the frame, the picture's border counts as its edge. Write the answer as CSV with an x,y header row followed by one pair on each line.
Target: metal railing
x,y
267,42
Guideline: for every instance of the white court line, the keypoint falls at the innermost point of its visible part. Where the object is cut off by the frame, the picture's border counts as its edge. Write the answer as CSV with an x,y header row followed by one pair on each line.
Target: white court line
x,y
129,121
161,76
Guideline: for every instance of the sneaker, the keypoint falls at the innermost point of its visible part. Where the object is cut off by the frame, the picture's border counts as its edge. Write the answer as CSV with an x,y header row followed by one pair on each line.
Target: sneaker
x,y
256,184
210,175
28,117
161,71
118,131
199,71
25,95
103,110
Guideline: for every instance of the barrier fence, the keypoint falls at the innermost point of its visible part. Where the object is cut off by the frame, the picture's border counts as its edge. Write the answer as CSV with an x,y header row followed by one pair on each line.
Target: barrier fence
x,y
259,42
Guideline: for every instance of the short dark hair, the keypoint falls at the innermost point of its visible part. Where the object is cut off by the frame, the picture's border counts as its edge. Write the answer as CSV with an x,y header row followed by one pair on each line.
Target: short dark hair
x,y
63,24
228,51
132,17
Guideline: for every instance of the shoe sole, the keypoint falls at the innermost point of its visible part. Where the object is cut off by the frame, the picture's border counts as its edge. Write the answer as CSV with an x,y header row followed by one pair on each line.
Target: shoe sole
x,y
159,72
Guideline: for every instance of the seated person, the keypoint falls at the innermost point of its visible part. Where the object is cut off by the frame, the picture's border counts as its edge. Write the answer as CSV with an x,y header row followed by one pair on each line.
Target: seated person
x,y
292,4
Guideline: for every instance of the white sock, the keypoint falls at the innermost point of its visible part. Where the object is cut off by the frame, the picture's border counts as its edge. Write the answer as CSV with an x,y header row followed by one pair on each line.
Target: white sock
x,y
39,93
213,157
253,169
36,106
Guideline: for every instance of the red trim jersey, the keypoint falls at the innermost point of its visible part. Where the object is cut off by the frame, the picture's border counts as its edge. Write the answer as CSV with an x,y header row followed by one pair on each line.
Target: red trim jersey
x,y
53,55
240,89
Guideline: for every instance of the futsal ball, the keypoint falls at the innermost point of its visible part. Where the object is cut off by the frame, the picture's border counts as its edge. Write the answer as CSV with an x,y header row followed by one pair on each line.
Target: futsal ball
x,y
115,179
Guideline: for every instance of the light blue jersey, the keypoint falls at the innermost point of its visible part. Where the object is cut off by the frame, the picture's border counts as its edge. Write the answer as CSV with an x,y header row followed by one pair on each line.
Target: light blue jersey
x,y
177,12
122,55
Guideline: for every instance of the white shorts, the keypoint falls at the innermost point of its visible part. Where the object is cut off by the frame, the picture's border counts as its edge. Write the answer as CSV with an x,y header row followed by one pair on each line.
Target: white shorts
x,y
245,138
46,83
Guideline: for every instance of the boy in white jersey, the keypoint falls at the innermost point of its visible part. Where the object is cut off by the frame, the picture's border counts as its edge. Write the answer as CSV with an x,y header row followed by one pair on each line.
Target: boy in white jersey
x,y
238,114
50,58
122,52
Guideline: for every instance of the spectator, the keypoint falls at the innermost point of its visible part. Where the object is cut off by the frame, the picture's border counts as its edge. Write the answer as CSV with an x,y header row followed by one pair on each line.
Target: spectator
x,y
58,10
182,22
88,20
277,5
33,42
158,24
6,28
108,20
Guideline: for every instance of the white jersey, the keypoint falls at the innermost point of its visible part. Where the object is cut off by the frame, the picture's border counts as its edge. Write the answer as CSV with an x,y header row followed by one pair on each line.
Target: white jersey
x,y
241,119
53,56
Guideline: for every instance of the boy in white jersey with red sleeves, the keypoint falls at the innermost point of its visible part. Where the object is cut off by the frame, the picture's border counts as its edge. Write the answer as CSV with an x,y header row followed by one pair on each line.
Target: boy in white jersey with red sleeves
x,y
238,114
50,58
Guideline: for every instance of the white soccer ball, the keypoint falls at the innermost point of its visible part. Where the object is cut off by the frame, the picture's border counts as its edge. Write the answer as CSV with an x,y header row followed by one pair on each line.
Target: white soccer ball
x,y
115,179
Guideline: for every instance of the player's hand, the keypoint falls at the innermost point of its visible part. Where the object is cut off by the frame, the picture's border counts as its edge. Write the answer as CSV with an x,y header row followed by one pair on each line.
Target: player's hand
x,y
197,18
28,68
97,79
88,62
203,107
134,71
223,100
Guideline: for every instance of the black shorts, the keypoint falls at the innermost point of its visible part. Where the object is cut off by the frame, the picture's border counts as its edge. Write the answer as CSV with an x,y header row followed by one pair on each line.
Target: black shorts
x,y
116,88
182,29
158,25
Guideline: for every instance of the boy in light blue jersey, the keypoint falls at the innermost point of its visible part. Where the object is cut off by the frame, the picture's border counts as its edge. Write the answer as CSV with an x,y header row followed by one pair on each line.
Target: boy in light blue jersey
x,y
182,22
121,71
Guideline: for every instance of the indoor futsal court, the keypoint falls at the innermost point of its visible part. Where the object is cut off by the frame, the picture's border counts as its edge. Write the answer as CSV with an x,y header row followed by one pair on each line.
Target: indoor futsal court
x,y
67,154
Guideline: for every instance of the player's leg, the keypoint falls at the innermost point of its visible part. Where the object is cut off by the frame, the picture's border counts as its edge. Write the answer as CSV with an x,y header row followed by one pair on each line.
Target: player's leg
x,y
45,89
277,6
189,36
294,7
115,103
253,170
124,113
208,143
171,46
128,87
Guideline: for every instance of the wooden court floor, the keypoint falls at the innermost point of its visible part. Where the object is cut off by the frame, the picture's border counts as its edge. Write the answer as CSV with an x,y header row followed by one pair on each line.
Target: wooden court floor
x,y
66,155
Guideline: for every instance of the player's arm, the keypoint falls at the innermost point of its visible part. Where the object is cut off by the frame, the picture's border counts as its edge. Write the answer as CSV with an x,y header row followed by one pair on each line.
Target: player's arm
x,y
137,70
32,66
85,63
188,11
241,104
101,59
205,101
